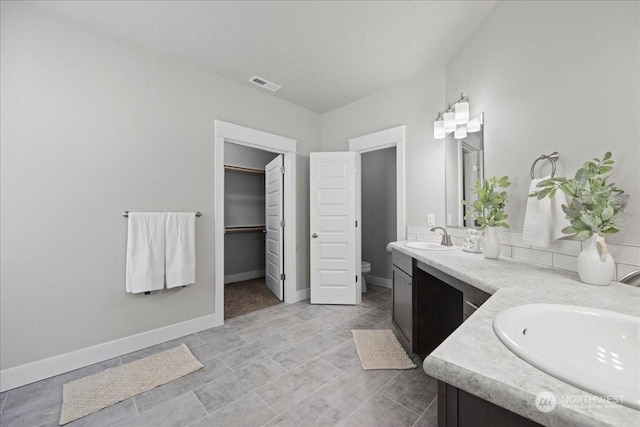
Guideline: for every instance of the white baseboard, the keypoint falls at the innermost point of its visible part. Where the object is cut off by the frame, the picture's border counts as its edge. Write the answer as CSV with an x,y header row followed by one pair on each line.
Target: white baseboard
x,y
247,275
378,281
46,368
303,294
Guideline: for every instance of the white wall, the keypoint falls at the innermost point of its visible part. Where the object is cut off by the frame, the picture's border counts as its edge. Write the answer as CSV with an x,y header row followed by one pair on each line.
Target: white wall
x,y
414,104
92,127
556,76
548,76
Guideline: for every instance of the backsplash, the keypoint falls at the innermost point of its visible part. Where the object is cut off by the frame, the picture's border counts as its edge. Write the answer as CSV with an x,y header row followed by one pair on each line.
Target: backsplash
x,y
560,254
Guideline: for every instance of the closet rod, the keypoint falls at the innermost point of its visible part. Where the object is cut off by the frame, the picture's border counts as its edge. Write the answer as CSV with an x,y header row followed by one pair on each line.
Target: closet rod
x,y
241,229
126,214
241,169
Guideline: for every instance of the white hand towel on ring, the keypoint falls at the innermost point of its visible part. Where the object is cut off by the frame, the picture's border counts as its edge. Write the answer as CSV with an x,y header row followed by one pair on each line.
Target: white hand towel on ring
x,y
544,218
537,218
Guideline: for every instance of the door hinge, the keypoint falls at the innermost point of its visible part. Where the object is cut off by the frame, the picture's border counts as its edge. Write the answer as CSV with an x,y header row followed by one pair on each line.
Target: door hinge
x,y
282,223
282,276
282,170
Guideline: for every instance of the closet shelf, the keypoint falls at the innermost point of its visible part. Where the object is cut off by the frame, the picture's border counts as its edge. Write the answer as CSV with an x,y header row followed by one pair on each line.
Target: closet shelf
x,y
241,169
243,228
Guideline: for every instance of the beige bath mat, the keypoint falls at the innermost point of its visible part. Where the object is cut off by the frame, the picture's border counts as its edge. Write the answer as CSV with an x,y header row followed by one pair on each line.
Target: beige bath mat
x,y
95,392
380,349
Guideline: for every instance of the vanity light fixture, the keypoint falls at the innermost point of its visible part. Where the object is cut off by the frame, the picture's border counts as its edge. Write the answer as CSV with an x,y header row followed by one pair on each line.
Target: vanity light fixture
x,y
438,129
456,119
461,132
462,112
475,124
449,122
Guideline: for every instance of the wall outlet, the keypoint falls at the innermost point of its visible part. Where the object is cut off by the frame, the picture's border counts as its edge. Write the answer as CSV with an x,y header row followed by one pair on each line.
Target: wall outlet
x,y
431,219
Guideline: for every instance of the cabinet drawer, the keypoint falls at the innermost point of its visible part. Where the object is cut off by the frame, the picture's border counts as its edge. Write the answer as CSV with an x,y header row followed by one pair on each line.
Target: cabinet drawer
x,y
473,299
402,261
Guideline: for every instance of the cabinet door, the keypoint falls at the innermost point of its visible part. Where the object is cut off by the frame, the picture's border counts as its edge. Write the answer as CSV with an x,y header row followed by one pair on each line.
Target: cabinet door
x,y
402,307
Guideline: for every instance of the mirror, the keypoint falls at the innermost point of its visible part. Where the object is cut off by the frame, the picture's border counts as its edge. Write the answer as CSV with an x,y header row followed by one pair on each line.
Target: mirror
x,y
464,164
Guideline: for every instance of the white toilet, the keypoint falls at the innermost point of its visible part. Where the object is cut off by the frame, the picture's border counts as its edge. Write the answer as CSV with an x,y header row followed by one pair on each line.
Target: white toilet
x,y
366,269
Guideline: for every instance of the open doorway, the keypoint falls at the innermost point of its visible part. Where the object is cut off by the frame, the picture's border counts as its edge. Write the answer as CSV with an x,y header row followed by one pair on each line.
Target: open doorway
x,y
379,215
250,275
230,137
383,200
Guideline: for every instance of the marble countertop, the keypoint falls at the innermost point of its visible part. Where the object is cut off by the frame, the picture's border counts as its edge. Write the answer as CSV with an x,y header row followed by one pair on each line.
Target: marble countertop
x,y
473,358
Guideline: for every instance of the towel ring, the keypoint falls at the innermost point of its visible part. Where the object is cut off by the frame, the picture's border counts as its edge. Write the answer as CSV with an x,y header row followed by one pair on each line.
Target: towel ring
x,y
553,157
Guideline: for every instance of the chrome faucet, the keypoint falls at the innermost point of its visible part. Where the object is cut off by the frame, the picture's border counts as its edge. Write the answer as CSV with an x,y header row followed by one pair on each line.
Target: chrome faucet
x,y
446,239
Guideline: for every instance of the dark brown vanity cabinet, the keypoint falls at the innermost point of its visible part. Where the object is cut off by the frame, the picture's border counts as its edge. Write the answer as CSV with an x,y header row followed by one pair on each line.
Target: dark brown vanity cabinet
x,y
457,408
402,308
442,304
438,311
428,305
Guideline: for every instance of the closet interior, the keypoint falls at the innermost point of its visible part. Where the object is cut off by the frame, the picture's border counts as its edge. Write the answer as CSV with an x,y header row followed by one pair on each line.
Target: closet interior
x,y
244,239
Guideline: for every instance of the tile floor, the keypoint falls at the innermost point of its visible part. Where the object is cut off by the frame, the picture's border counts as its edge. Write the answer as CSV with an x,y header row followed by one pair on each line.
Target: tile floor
x,y
287,365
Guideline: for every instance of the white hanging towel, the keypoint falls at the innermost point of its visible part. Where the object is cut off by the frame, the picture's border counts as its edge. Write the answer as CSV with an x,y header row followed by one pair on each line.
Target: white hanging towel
x,y
180,258
544,218
558,217
145,252
537,219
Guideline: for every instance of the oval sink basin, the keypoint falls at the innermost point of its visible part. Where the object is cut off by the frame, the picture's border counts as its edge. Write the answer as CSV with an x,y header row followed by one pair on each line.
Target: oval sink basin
x,y
593,349
430,246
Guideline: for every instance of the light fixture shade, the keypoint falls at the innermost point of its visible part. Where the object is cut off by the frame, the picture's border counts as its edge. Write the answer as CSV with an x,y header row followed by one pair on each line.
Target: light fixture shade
x,y
438,129
461,132
474,124
462,113
449,122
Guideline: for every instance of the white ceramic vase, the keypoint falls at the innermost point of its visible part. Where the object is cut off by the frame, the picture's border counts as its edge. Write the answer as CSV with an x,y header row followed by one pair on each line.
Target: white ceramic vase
x,y
491,245
595,264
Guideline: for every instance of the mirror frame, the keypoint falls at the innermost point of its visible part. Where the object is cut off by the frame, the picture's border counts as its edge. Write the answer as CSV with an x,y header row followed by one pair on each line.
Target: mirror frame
x,y
457,183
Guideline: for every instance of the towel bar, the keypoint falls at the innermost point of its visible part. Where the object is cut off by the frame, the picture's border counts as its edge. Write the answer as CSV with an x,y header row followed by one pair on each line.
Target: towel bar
x,y
126,214
553,157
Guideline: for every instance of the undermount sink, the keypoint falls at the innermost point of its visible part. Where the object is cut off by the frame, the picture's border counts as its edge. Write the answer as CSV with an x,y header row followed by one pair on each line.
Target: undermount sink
x,y
430,246
593,349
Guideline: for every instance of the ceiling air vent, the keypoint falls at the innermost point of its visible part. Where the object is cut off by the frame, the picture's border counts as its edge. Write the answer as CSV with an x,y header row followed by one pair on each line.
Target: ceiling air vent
x,y
264,83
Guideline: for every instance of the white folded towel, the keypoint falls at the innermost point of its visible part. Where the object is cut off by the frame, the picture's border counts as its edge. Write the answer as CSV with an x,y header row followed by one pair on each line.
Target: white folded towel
x,y
180,258
544,218
145,252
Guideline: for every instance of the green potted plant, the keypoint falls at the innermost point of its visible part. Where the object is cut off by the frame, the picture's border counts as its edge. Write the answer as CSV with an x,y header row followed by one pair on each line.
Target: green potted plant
x,y
488,211
595,208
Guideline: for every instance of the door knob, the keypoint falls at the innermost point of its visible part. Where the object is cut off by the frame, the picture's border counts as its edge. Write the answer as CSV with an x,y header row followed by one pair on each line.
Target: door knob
x,y
314,235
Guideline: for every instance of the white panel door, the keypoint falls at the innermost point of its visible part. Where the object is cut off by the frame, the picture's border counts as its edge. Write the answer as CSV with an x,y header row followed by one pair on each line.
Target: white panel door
x,y
274,224
334,224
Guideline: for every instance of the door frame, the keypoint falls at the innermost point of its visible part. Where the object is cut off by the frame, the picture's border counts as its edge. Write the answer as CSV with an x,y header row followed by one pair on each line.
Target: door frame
x,y
387,138
248,137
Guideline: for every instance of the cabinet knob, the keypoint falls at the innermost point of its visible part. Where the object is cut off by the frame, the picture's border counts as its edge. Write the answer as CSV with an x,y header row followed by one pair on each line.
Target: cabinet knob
x,y
314,235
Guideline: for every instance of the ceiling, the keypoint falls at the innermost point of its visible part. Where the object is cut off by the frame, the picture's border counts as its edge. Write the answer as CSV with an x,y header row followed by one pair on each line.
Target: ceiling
x,y
324,54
